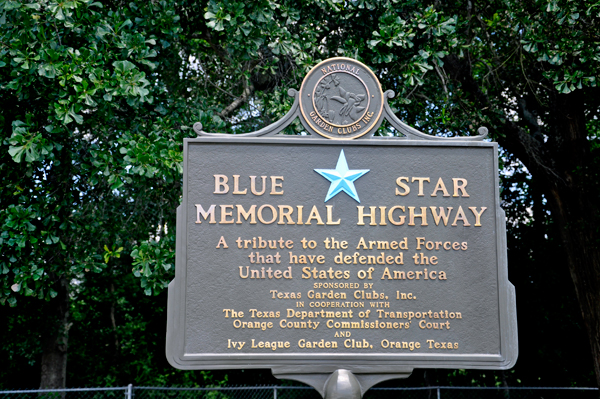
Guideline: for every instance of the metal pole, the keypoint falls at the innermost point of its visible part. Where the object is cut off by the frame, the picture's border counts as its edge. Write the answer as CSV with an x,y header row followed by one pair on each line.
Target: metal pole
x,y
342,384
274,392
438,393
129,392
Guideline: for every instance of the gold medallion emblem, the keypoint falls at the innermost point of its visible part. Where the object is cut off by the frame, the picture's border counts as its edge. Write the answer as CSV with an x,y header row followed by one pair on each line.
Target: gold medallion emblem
x,y
341,98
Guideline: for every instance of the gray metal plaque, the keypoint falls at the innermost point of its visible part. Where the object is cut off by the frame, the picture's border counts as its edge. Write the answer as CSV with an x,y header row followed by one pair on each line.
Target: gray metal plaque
x,y
305,254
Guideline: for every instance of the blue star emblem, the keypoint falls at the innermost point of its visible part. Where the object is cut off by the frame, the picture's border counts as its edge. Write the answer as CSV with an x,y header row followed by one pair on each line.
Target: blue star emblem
x,y
342,178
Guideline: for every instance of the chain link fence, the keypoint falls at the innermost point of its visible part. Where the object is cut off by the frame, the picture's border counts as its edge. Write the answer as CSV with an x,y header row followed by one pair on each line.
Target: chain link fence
x,y
283,392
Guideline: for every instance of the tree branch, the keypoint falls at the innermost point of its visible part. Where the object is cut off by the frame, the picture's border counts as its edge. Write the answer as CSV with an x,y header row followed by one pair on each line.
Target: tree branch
x,y
248,90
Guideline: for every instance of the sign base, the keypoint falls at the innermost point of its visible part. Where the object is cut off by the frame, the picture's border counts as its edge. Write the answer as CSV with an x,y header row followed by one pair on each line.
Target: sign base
x,y
342,383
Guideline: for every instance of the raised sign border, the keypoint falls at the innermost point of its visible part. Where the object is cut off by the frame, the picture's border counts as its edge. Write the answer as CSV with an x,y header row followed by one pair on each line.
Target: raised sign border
x,y
328,363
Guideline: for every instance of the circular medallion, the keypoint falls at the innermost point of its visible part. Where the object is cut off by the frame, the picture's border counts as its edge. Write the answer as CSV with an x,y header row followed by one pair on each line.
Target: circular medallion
x,y
341,98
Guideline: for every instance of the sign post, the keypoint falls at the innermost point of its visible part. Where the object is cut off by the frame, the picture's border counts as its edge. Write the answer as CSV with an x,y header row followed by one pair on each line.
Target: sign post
x,y
339,259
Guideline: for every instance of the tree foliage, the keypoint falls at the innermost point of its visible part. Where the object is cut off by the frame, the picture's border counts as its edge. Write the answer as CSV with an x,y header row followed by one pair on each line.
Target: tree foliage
x,y
97,97
87,168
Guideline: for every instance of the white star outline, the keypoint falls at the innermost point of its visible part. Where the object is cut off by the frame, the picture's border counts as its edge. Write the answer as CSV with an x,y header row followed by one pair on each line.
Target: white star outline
x,y
342,178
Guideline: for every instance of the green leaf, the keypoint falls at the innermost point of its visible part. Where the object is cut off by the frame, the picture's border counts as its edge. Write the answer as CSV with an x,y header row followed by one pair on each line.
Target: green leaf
x,y
16,152
123,66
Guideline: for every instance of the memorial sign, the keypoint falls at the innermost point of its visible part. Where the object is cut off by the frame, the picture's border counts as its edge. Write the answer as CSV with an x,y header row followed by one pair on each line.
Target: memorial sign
x,y
365,257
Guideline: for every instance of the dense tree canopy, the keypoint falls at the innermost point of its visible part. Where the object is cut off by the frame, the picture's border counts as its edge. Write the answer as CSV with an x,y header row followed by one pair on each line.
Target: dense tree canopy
x,y
97,97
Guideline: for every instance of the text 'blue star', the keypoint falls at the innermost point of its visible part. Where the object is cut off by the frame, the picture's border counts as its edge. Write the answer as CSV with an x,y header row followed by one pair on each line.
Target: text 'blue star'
x,y
342,178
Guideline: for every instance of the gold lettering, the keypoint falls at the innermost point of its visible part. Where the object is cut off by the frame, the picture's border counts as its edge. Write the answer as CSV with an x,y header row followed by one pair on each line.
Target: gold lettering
x,y
275,185
460,184
382,221
460,215
400,218
413,215
300,208
236,185
285,211
440,186
222,242
361,242
314,214
330,216
420,180
260,215
205,214
477,215
443,215
225,213
404,186
253,185
362,215
242,213
221,186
